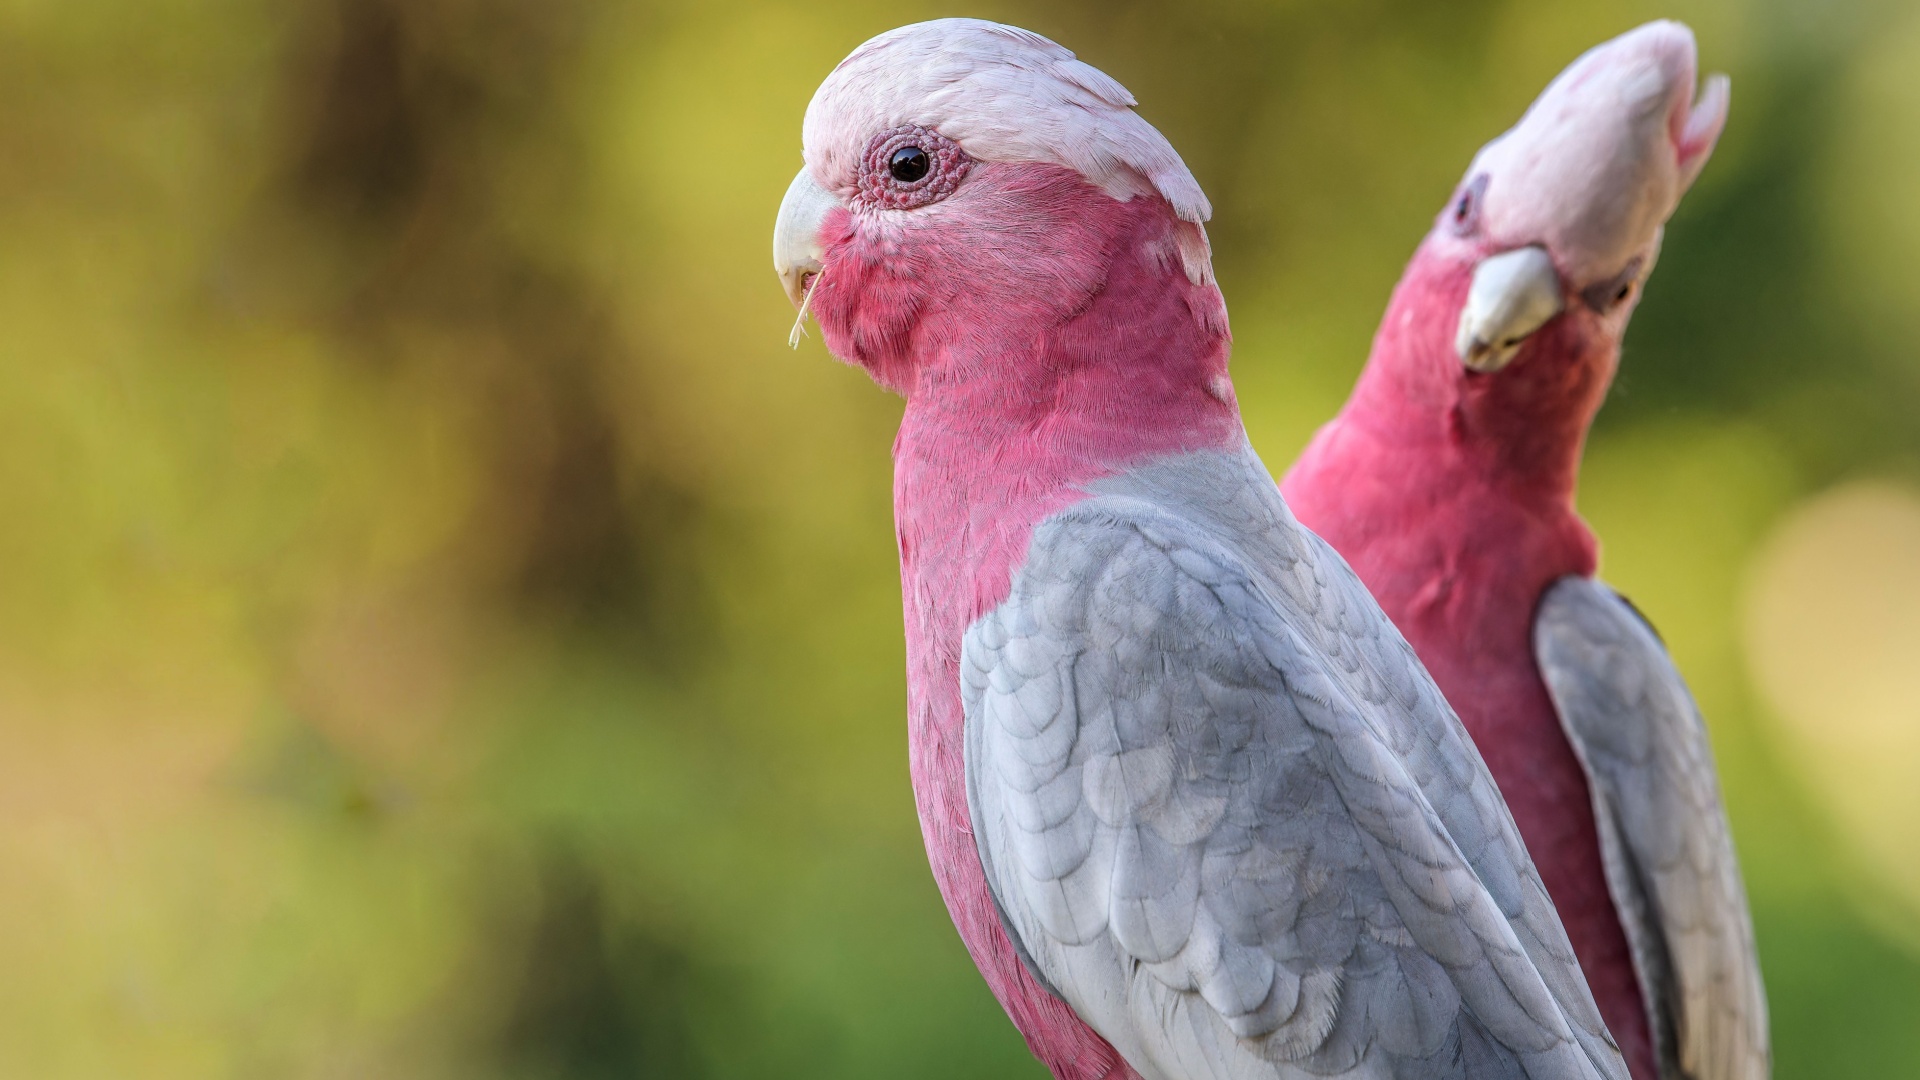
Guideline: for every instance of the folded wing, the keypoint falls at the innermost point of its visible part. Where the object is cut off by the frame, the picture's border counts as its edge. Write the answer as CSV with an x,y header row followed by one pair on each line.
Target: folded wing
x,y
1663,830
1228,818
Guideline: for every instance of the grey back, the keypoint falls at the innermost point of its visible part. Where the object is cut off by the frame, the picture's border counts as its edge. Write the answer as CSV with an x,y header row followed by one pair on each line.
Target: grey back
x,y
1228,817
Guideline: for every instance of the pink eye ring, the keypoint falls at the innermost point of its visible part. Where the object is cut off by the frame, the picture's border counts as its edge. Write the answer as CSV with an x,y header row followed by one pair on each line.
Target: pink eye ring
x,y
910,167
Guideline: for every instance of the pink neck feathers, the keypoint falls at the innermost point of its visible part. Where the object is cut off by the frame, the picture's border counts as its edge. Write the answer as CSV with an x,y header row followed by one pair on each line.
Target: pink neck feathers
x,y
1521,430
1033,361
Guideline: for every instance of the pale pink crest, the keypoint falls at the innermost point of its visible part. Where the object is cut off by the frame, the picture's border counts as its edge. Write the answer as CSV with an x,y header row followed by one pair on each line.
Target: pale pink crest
x,y
1601,159
1004,95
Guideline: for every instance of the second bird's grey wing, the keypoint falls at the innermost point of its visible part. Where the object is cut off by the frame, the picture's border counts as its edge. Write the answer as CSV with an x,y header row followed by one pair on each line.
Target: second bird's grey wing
x,y
1203,842
1663,830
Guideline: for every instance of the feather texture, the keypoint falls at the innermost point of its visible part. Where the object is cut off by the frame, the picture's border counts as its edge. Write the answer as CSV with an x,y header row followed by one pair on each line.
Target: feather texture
x,y
1005,95
1228,818
1669,854
1451,490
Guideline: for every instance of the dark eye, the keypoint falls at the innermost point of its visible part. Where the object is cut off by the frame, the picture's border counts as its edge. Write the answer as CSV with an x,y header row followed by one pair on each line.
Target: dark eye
x,y
909,164
1464,214
1604,296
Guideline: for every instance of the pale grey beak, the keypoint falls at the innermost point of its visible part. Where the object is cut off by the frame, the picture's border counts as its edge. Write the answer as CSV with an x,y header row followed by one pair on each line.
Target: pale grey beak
x,y
1514,293
796,234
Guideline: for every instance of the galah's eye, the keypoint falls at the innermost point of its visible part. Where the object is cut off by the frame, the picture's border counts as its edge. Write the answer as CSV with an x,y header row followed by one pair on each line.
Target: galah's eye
x,y
909,164
909,167
1464,214
1604,296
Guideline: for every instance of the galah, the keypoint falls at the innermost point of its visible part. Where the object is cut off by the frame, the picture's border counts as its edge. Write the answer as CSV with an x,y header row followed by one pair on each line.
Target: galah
x,y
1194,806
1447,481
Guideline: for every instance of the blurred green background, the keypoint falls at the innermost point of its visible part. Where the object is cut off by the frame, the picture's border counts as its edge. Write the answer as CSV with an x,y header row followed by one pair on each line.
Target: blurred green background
x,y
444,632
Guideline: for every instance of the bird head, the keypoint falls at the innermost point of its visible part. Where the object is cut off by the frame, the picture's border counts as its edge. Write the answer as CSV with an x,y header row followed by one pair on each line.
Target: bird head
x,y
968,186
1561,217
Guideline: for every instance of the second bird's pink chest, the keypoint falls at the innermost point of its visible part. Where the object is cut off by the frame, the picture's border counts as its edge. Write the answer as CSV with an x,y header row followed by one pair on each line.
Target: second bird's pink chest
x,y
1462,577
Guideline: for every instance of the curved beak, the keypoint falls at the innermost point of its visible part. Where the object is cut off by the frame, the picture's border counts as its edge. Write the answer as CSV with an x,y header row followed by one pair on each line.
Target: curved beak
x,y
1513,294
796,234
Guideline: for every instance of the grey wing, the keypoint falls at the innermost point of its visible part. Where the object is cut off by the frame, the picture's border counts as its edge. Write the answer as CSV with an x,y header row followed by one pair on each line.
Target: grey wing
x,y
1200,840
1663,830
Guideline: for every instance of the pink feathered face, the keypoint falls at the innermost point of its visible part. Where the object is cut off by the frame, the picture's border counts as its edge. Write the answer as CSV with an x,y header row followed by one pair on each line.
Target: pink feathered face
x,y
1513,310
1543,248
1462,221
966,179
1008,255
1598,163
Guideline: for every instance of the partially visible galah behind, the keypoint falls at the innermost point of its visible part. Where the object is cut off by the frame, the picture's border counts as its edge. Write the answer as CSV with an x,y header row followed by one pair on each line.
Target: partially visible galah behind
x,y
1193,804
1448,482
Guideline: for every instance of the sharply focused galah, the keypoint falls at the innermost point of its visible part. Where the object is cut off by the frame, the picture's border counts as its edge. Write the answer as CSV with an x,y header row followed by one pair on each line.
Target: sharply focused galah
x,y
1448,481
1194,805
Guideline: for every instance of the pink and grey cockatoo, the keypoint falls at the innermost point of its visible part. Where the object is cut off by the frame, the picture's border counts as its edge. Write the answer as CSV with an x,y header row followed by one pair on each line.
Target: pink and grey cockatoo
x,y
1447,481
1193,803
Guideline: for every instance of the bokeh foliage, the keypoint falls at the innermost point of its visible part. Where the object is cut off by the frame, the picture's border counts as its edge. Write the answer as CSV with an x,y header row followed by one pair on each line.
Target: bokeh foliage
x,y
445,633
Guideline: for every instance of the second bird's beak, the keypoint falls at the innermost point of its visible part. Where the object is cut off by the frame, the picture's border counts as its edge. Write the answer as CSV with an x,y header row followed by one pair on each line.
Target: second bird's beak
x,y
796,234
1513,294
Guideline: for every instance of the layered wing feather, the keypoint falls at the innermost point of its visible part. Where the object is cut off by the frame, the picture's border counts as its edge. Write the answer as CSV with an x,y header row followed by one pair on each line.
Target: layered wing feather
x,y
1663,830
1229,819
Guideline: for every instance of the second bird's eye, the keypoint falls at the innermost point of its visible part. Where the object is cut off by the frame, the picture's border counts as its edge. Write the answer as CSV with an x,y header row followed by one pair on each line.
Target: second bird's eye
x,y
1465,214
1604,296
909,164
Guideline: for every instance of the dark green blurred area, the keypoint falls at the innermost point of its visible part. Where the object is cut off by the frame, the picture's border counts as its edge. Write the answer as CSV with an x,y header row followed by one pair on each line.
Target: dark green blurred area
x,y
445,633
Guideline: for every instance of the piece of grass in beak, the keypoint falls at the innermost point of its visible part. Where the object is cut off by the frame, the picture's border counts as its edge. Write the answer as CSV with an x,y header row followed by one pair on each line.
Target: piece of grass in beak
x,y
800,321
